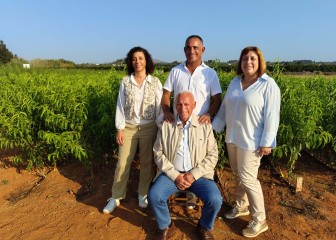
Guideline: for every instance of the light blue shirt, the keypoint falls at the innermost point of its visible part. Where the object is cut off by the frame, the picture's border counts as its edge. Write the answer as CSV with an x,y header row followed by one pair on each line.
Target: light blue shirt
x,y
251,116
182,161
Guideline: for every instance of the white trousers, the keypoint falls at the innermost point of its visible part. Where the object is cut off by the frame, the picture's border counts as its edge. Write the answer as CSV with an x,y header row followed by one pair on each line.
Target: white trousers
x,y
245,165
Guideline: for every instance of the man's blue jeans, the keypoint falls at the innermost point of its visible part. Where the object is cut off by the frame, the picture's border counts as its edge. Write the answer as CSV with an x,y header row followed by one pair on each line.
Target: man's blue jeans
x,y
204,188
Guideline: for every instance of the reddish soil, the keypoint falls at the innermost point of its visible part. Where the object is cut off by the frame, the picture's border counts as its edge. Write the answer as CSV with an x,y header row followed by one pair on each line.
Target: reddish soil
x,y
65,203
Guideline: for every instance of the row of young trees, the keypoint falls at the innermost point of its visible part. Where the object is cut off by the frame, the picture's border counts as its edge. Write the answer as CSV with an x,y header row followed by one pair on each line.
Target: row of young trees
x,y
7,56
56,115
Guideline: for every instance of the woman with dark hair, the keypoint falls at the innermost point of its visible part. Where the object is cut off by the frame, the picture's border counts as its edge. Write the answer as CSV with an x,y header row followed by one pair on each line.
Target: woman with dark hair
x,y
251,113
137,116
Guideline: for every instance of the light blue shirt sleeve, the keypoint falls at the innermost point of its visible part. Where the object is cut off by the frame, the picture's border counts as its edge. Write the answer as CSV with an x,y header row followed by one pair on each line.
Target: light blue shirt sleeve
x,y
271,116
218,123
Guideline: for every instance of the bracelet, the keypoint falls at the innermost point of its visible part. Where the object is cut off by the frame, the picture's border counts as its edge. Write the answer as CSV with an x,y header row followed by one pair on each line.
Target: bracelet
x,y
211,116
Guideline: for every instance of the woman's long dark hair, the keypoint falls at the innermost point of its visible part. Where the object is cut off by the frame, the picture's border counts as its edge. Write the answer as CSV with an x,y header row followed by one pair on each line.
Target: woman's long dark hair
x,y
148,57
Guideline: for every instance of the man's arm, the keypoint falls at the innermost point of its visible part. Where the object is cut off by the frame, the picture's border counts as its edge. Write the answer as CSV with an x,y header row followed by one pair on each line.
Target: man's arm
x,y
165,103
208,164
160,158
216,101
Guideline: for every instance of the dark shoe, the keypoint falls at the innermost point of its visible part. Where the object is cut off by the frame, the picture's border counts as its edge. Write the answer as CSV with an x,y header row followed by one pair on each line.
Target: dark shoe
x,y
167,232
203,233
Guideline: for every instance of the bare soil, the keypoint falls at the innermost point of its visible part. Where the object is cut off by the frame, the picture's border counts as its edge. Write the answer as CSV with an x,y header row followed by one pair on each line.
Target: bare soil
x,y
66,203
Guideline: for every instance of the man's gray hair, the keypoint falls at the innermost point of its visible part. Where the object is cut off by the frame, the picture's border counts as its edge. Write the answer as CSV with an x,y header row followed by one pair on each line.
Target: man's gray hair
x,y
184,92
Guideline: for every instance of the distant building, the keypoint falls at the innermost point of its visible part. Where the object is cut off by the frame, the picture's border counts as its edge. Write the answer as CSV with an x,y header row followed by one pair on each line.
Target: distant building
x,y
26,65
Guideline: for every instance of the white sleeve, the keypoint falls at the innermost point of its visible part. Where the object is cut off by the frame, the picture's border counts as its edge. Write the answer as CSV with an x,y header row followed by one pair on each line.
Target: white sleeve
x,y
218,123
120,114
158,96
215,85
169,84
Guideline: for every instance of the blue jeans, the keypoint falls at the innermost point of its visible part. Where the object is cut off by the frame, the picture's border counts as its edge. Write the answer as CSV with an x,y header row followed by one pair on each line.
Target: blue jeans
x,y
204,188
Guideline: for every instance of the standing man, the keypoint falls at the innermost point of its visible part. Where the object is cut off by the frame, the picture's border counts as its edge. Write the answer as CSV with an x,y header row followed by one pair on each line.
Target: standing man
x,y
194,76
186,155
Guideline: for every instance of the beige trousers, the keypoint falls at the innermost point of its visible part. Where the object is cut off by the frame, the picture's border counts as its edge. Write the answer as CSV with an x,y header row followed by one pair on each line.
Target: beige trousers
x,y
144,136
245,165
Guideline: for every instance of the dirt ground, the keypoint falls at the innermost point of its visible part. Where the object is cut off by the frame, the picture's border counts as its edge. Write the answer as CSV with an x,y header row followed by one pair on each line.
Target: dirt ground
x,y
65,203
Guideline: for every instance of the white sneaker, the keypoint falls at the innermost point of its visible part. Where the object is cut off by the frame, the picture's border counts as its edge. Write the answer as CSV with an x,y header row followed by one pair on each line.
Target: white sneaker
x,y
236,212
112,204
143,202
191,198
254,228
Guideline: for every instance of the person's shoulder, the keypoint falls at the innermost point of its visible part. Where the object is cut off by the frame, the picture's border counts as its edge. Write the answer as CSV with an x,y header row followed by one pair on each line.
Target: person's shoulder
x,y
269,80
178,67
125,78
208,68
168,125
236,79
152,78
196,124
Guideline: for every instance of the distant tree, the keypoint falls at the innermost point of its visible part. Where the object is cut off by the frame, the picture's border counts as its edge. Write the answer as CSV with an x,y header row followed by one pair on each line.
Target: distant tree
x,y
5,55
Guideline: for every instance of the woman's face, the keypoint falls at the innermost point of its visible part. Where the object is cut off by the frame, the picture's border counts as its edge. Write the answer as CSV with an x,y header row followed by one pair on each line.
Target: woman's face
x,y
250,64
139,62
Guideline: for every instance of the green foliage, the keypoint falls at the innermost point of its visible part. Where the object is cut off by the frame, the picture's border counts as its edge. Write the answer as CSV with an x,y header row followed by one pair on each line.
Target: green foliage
x,y
306,116
65,114
57,115
5,55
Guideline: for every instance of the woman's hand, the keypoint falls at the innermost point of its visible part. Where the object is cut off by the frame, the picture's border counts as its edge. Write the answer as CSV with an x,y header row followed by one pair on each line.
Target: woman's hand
x,y
120,137
264,151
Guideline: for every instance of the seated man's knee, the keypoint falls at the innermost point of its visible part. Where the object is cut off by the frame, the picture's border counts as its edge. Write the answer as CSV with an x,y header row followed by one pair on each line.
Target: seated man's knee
x,y
214,200
153,197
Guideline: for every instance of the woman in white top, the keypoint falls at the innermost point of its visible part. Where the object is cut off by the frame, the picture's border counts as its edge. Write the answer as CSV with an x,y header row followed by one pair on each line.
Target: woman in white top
x,y
251,113
136,119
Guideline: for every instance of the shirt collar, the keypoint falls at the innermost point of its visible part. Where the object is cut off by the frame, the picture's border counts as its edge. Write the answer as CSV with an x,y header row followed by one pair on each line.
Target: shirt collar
x,y
147,79
202,64
264,76
180,123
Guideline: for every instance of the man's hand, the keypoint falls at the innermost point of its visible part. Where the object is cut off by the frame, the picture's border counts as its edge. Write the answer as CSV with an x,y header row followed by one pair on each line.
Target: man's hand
x,y
181,183
189,177
204,119
168,117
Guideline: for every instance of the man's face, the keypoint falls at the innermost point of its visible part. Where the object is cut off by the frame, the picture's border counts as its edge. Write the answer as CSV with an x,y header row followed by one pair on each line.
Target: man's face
x,y
185,104
194,50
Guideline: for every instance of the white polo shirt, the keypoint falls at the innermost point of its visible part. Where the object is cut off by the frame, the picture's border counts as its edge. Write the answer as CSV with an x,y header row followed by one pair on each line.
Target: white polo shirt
x,y
203,83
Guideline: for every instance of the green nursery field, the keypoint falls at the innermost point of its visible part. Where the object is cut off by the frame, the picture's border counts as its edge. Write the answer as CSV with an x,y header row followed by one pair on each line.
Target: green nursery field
x,y
57,115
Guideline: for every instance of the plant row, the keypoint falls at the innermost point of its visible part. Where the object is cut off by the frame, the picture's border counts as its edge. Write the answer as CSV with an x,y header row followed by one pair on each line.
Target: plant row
x,y
64,115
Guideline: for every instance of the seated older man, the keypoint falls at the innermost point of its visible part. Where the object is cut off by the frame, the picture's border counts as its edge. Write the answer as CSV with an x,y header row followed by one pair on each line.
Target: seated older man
x,y
186,154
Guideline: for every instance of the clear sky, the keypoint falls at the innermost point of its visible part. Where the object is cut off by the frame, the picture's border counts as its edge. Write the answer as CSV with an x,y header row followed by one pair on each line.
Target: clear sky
x,y
101,31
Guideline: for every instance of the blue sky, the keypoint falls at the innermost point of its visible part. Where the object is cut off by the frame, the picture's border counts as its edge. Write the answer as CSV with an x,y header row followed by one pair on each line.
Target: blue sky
x,y
102,31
